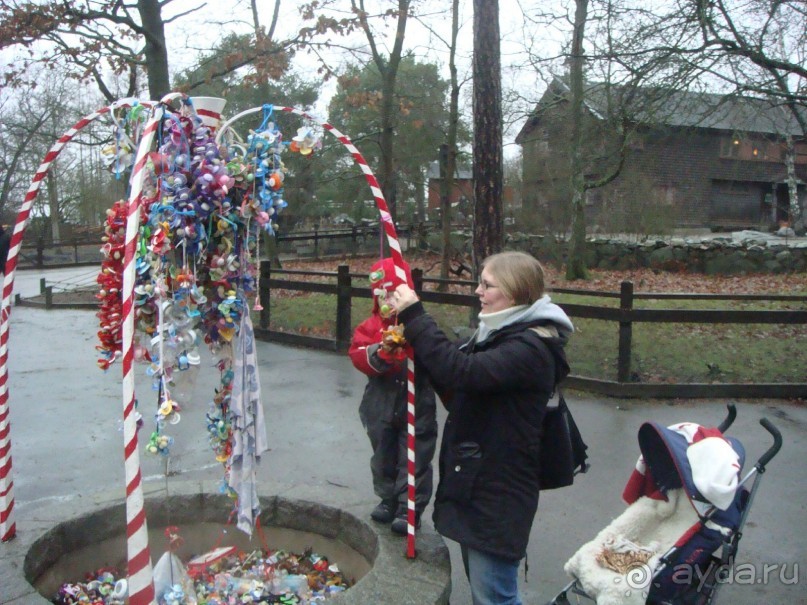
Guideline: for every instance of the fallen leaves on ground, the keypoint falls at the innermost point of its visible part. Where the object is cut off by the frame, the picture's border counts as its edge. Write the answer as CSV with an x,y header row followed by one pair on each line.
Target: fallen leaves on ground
x,y
644,280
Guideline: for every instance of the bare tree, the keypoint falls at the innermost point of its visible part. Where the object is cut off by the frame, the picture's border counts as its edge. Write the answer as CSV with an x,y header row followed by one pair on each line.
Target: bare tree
x,y
387,63
448,151
388,68
755,49
15,142
764,45
642,61
88,37
79,186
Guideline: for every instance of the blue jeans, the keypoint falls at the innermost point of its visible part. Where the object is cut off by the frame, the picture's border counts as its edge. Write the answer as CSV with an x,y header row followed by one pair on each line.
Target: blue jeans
x,y
493,580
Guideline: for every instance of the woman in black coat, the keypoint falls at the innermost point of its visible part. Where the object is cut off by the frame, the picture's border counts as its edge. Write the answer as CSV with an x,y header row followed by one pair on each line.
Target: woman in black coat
x,y
496,388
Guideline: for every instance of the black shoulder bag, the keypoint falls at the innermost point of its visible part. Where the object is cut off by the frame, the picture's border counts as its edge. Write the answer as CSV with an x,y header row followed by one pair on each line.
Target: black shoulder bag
x,y
563,451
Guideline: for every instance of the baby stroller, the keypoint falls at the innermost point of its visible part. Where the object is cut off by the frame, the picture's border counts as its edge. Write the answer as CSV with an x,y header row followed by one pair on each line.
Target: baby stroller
x,y
679,535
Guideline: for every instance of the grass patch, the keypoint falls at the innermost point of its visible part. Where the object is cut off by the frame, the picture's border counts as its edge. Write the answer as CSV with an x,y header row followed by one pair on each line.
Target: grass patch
x,y
694,353
316,314
661,352
311,314
593,349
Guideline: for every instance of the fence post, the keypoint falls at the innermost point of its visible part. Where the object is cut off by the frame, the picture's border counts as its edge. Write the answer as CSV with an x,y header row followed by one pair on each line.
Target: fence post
x,y
49,297
42,285
264,291
75,251
40,253
343,285
316,242
625,331
417,279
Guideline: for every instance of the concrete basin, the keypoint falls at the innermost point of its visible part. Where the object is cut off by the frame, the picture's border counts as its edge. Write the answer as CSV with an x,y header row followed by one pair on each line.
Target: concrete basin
x,y
44,555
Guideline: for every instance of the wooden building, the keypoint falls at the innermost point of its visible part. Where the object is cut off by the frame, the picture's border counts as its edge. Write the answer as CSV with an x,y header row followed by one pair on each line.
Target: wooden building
x,y
701,160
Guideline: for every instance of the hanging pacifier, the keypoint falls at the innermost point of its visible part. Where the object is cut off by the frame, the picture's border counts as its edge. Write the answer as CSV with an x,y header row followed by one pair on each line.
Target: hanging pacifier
x,y
159,444
169,411
384,308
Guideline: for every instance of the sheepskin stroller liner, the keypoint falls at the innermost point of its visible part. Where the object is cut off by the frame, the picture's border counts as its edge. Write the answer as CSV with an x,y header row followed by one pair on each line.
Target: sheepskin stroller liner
x,y
672,545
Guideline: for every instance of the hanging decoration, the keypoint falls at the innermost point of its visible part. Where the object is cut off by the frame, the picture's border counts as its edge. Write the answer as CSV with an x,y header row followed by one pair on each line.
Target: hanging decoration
x,y
145,122
203,208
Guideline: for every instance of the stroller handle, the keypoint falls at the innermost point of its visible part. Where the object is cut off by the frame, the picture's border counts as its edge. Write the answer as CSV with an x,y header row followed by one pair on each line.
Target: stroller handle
x,y
729,420
774,449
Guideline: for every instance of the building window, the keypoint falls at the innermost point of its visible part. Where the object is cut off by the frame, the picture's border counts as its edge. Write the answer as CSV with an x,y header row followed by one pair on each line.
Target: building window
x,y
730,147
801,153
745,148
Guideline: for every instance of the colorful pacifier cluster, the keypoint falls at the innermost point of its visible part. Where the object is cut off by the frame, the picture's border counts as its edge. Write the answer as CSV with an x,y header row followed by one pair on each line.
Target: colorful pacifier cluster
x,y
219,425
110,282
260,576
203,208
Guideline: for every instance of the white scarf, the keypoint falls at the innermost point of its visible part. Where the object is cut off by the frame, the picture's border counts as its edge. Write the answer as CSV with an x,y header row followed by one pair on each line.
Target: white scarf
x,y
488,322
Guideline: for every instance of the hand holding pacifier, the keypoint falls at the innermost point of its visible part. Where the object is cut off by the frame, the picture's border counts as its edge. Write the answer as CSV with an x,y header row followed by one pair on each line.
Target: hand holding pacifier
x,y
403,297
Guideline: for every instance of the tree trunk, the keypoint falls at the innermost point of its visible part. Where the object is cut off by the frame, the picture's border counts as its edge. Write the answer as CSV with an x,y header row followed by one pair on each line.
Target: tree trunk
x,y
576,265
451,152
154,50
446,184
792,182
488,164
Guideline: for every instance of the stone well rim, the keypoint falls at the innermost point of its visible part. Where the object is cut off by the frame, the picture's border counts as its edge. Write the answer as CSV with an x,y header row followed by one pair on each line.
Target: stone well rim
x,y
334,514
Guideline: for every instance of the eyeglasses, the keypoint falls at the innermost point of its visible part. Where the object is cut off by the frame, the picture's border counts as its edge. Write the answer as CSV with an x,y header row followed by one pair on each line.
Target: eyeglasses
x,y
486,286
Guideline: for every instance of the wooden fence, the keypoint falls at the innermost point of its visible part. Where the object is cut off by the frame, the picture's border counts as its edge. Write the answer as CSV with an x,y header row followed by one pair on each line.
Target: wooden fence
x,y
315,243
625,316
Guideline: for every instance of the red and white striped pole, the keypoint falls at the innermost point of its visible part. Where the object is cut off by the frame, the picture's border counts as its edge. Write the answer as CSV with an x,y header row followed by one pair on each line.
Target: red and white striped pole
x,y
141,585
7,525
398,261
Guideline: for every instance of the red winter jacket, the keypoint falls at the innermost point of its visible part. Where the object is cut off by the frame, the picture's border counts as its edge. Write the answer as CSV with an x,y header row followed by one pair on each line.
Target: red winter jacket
x,y
369,331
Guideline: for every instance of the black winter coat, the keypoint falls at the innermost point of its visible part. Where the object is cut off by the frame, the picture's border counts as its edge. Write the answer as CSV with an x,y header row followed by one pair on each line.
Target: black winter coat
x,y
488,491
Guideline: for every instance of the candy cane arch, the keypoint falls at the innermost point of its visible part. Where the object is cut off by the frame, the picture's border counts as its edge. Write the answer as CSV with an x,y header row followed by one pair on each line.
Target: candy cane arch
x,y
7,525
397,259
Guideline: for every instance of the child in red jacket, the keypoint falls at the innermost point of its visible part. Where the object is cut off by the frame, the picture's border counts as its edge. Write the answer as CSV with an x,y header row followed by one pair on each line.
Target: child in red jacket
x,y
376,351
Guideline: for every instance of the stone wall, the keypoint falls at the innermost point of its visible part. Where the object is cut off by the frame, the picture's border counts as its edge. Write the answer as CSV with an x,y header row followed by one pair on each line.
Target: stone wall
x,y
715,256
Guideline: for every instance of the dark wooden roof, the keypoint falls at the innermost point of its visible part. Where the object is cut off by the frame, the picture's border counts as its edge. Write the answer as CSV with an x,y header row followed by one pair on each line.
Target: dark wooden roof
x,y
661,106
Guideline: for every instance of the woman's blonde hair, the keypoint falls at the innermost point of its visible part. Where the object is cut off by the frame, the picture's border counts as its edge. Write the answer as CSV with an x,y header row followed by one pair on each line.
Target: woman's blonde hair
x,y
520,276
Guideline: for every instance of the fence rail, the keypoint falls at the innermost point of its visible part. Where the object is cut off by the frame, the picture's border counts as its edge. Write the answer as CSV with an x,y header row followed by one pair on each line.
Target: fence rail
x,y
341,284
86,250
624,315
